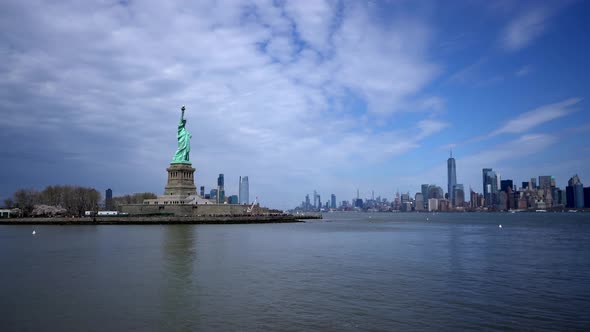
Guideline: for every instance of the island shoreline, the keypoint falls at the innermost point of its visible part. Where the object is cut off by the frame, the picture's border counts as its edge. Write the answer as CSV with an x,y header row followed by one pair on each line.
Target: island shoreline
x,y
158,220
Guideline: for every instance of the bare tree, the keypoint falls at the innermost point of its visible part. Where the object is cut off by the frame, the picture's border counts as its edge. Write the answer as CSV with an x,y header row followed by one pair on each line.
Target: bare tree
x,y
75,200
9,203
26,200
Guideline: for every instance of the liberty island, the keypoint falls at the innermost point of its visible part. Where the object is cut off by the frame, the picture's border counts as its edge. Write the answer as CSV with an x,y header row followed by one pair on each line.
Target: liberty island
x,y
180,202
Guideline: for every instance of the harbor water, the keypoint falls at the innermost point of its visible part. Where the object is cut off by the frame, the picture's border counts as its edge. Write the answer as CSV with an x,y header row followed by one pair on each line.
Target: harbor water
x,y
347,272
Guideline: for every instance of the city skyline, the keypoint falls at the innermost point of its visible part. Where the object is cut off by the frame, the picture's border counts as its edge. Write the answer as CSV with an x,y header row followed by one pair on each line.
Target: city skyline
x,y
331,96
578,196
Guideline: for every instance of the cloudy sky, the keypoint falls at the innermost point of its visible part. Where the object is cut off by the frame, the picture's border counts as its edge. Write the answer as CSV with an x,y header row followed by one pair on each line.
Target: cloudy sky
x,y
301,95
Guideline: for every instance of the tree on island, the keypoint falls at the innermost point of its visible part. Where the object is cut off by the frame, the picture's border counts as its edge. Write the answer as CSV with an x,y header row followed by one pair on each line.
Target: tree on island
x,y
136,198
9,203
74,199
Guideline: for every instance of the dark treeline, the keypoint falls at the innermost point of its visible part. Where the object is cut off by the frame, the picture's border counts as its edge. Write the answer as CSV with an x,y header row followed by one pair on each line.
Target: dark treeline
x,y
75,200
132,199
66,200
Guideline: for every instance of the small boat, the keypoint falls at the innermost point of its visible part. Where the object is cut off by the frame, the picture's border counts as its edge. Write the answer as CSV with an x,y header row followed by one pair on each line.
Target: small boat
x,y
540,210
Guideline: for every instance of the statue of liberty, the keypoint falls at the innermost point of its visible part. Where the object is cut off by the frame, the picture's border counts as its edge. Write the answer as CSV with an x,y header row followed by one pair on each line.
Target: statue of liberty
x,y
184,144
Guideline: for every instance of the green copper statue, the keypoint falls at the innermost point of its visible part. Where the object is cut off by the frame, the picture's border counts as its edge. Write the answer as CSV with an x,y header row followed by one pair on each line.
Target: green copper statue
x,y
184,144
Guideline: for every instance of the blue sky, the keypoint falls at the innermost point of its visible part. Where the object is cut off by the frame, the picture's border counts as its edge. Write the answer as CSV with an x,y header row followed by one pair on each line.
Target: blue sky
x,y
304,95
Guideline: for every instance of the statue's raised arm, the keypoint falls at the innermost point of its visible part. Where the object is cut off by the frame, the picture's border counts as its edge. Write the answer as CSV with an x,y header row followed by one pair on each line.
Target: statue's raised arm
x,y
182,114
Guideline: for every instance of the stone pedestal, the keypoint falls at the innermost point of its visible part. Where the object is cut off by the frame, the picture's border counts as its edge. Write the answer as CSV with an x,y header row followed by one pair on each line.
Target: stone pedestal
x,y
181,180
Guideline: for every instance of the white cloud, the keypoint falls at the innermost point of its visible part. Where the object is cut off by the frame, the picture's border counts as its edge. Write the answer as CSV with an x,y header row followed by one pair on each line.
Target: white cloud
x,y
429,127
110,83
538,116
523,71
313,21
524,29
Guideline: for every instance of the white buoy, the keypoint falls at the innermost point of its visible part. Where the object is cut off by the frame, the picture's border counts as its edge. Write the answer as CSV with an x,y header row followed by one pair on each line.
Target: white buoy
x,y
34,232
499,226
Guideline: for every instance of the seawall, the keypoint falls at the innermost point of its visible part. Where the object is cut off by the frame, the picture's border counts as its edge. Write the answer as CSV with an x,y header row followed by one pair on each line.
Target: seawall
x,y
156,220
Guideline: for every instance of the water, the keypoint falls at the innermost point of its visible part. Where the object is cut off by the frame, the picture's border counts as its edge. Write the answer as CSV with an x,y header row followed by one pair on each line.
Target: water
x,y
348,272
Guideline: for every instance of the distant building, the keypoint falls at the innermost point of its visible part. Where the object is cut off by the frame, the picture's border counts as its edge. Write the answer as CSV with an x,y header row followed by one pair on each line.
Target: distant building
x,y
575,193
561,200
7,213
419,202
432,204
545,181
244,197
474,200
213,194
435,192
444,205
202,191
490,186
451,177
233,199
333,201
533,183
358,203
505,184
587,197
405,198
502,201
406,207
316,204
108,200
579,196
458,195
220,189
425,195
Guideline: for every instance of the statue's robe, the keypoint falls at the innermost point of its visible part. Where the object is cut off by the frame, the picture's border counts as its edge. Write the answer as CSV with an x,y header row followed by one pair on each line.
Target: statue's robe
x,y
184,144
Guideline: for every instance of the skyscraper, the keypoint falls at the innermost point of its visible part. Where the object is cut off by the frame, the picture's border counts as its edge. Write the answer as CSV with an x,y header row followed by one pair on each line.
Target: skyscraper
x,y
575,192
425,195
473,199
505,184
545,181
220,190
108,200
435,191
458,195
244,197
315,200
490,186
451,176
202,191
419,198
333,201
